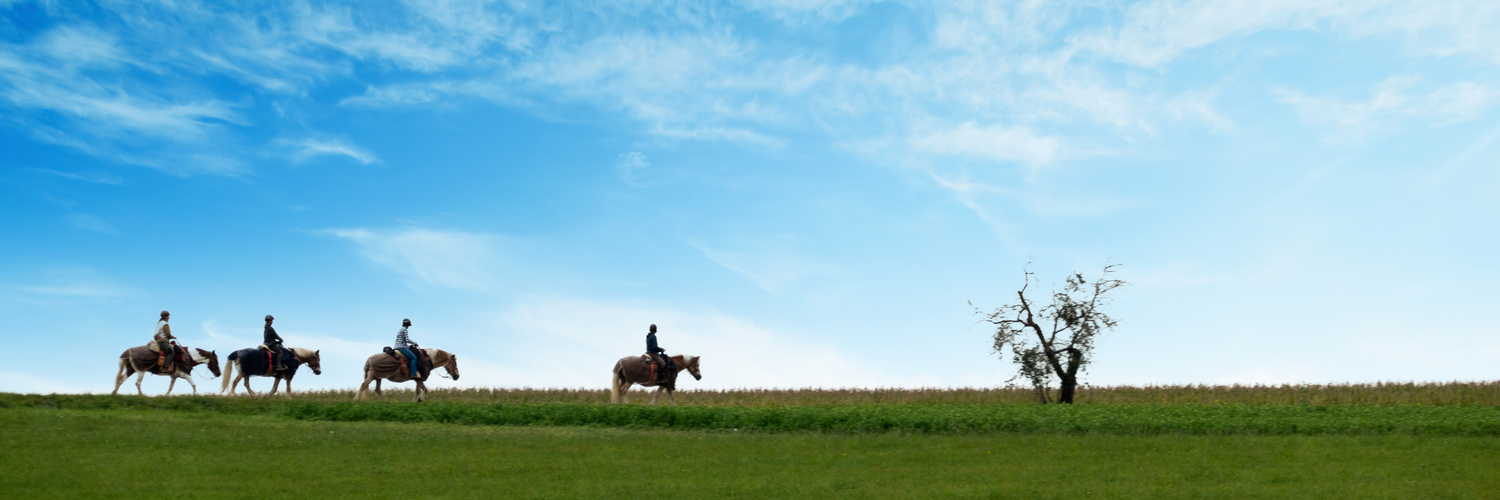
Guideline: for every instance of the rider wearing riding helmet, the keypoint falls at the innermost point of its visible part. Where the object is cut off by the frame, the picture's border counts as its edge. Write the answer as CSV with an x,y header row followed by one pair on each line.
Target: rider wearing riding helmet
x,y
273,342
659,354
405,346
162,343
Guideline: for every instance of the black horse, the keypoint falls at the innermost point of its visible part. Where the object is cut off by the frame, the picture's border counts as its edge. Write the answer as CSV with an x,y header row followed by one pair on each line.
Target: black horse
x,y
257,362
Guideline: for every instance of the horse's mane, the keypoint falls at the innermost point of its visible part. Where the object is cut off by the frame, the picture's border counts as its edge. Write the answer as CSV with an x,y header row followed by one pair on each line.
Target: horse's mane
x,y
302,352
433,352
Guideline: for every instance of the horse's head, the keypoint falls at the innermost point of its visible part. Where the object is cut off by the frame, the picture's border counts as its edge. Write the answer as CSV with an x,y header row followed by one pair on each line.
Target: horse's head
x,y
452,366
213,360
692,367
312,360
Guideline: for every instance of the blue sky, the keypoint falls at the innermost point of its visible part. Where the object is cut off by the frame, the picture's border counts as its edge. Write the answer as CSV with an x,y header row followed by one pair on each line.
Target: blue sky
x,y
804,193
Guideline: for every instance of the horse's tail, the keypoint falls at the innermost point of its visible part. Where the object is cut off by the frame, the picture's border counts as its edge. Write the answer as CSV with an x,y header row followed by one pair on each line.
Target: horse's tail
x,y
126,368
614,382
230,363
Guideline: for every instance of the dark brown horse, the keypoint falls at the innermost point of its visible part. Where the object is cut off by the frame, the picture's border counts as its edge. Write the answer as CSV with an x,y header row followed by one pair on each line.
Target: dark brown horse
x,y
255,361
385,366
637,370
142,360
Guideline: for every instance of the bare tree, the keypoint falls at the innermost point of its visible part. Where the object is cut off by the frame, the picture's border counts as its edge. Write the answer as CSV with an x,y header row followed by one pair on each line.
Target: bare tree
x,y
1056,339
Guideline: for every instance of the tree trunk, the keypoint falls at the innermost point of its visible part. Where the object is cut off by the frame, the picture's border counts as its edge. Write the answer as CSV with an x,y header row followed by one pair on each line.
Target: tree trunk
x,y
1070,378
1065,394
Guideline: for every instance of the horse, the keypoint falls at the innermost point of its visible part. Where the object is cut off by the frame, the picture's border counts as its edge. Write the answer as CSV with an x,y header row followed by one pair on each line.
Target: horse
x,y
385,366
637,370
142,360
255,361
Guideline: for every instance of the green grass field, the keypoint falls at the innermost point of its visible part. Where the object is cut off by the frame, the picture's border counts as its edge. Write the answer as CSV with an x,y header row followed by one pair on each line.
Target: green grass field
x,y
52,453
1368,441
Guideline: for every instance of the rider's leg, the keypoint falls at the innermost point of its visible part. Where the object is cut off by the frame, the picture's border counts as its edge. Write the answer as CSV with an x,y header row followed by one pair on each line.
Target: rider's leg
x,y
411,356
164,356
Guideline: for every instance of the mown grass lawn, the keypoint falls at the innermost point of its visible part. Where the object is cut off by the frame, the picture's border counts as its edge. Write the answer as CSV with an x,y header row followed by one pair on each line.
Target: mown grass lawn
x,y
175,454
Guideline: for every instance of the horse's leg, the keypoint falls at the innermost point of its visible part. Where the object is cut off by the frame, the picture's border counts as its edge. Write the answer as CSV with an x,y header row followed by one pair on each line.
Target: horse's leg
x,y
120,377
363,387
418,398
288,392
378,394
189,377
247,386
671,397
172,383
138,377
625,392
656,394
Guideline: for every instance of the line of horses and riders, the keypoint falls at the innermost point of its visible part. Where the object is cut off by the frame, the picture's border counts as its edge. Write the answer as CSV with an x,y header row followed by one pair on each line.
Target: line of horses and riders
x,y
402,362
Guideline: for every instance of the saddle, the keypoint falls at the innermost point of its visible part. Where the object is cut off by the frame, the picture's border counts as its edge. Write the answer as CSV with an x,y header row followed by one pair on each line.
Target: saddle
x,y
659,367
286,356
423,360
179,355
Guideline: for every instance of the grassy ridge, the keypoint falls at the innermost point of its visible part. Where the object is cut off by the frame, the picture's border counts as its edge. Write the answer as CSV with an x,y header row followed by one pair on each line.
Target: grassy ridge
x,y
945,419
1123,419
1378,394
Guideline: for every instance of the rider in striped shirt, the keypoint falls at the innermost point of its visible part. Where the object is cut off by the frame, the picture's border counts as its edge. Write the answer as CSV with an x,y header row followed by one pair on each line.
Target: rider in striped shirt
x,y
405,345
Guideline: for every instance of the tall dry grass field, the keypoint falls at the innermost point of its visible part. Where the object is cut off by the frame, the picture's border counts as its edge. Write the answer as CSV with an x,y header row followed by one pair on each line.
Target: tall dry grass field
x,y
1436,394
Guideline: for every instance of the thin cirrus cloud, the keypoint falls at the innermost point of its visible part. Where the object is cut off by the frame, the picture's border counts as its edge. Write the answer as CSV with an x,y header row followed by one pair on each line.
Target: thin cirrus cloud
x,y
1391,104
91,223
771,263
688,84
426,257
629,164
1155,34
306,149
91,177
994,143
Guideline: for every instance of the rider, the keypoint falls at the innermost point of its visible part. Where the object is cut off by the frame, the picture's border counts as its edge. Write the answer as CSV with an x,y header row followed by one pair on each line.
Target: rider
x,y
273,343
405,345
162,343
658,354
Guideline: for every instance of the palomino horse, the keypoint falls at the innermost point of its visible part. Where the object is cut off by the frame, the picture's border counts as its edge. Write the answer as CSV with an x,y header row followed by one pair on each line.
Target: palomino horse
x,y
385,366
637,370
142,360
256,362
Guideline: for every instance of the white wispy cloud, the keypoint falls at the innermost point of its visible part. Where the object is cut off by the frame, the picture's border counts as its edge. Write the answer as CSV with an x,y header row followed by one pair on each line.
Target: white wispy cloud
x,y
75,283
91,223
771,263
630,163
1391,104
309,148
1158,32
449,259
92,177
995,143
802,12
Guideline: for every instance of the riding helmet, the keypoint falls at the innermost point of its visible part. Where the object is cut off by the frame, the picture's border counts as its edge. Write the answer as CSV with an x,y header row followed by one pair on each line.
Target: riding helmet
x,y
653,328
269,317
405,322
